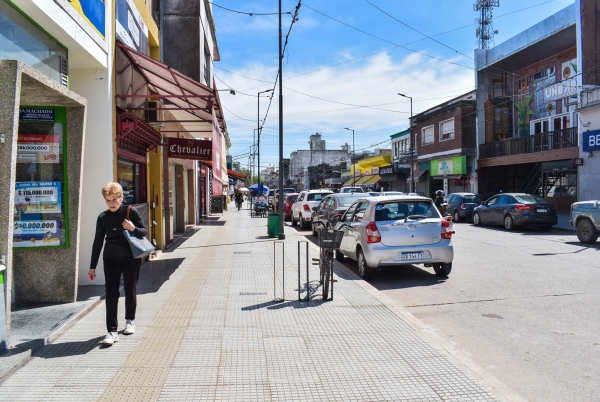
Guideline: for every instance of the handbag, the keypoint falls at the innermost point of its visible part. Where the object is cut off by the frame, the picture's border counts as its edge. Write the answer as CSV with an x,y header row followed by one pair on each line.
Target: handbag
x,y
140,248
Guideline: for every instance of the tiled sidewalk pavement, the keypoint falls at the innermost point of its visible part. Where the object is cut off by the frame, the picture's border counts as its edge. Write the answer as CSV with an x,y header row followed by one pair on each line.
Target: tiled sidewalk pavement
x,y
207,330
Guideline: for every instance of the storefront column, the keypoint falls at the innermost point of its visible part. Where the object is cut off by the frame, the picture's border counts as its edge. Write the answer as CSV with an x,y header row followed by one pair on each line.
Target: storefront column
x,y
179,200
192,195
155,196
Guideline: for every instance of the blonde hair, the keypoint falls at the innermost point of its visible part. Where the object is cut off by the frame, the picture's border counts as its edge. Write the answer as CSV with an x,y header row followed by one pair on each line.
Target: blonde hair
x,y
112,188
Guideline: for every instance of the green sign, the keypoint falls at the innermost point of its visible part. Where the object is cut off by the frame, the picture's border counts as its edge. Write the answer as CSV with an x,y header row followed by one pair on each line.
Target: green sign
x,y
450,166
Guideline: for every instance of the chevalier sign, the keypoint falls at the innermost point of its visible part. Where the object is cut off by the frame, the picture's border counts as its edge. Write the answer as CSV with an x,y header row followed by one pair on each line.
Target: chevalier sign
x,y
189,148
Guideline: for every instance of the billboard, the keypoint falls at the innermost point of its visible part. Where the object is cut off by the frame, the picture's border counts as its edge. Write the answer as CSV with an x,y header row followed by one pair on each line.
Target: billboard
x,y
450,166
131,28
93,11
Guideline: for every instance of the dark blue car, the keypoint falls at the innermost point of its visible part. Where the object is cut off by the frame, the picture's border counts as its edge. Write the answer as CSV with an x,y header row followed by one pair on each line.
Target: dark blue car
x,y
516,209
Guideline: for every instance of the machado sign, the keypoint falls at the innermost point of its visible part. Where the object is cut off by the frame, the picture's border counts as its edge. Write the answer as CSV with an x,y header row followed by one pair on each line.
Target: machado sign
x,y
189,148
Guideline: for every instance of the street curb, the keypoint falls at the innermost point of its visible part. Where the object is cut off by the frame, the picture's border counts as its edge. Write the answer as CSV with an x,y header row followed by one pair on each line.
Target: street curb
x,y
23,357
492,384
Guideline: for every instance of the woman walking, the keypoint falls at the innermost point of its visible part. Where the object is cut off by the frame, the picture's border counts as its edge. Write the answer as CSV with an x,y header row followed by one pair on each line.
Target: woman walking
x,y
239,200
117,257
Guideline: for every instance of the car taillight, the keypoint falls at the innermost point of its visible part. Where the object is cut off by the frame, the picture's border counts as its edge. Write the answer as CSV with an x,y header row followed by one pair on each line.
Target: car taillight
x,y
522,207
306,207
447,231
462,206
373,235
553,207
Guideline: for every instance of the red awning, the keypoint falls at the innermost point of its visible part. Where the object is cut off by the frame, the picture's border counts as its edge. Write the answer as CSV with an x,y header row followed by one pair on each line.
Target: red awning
x,y
235,174
170,85
135,137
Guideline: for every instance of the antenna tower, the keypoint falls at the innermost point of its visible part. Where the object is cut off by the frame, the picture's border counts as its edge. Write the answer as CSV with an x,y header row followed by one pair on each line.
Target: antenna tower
x,y
485,32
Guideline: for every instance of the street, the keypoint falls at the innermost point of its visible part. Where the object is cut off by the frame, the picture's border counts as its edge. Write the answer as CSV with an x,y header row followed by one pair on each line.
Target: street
x,y
522,304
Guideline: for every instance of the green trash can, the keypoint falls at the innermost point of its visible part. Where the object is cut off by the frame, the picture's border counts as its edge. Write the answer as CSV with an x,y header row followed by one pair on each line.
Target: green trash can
x,y
273,224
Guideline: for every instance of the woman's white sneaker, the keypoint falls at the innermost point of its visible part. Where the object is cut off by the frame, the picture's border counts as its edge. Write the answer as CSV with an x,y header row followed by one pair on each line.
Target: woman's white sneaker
x,y
129,328
111,338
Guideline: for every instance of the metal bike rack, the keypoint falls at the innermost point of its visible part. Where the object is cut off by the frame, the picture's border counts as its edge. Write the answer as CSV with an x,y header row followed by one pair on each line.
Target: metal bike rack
x,y
275,271
299,268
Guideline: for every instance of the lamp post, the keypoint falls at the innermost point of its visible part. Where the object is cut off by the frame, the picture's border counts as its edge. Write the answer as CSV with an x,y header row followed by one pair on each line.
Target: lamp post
x,y
412,146
353,158
258,141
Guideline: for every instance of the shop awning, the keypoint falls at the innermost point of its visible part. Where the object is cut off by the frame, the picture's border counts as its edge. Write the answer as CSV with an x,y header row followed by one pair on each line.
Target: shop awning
x,y
236,175
372,179
167,84
135,137
418,174
362,179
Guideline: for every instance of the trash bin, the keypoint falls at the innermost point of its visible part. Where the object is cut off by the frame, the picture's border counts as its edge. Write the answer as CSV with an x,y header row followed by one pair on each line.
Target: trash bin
x,y
273,224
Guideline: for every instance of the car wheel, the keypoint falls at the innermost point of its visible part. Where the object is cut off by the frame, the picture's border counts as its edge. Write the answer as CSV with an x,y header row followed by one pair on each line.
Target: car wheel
x,y
443,269
586,232
456,216
509,223
302,223
293,220
363,269
476,219
339,255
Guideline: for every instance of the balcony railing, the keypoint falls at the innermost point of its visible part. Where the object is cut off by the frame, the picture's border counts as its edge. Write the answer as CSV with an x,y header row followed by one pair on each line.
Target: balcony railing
x,y
558,139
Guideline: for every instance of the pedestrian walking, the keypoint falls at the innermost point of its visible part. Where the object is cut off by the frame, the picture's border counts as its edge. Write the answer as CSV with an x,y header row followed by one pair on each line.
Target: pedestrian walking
x,y
118,259
239,199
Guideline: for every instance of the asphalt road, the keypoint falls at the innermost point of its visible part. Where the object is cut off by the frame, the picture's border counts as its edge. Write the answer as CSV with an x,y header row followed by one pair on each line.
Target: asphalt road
x,y
524,305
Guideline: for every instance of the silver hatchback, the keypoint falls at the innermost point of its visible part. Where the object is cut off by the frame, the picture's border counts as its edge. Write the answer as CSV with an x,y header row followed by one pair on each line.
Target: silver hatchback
x,y
396,230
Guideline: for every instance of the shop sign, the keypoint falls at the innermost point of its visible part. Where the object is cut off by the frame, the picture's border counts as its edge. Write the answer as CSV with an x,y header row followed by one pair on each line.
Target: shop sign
x,y
37,197
40,148
34,114
375,170
577,162
189,148
36,233
591,140
386,170
131,28
450,166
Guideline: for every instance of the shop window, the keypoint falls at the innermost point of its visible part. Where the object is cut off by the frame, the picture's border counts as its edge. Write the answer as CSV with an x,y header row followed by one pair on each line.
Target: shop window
x,y
21,39
132,177
427,135
447,129
40,211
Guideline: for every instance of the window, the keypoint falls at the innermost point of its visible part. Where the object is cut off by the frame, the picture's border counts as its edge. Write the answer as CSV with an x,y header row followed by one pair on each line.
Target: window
x,y
427,135
317,196
348,215
360,212
492,201
447,129
132,177
403,209
207,79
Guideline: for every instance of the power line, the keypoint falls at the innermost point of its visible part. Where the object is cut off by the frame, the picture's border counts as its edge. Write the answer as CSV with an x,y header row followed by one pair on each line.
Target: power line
x,y
247,13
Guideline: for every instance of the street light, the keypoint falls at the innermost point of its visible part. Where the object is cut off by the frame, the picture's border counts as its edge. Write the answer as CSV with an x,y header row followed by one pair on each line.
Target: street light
x,y
353,158
413,147
258,141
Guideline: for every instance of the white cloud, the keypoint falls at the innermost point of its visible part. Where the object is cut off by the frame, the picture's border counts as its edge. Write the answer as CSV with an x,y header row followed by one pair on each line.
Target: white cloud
x,y
374,81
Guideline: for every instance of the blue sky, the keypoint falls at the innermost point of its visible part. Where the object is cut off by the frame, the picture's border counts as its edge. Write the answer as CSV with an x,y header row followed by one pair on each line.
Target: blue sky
x,y
331,70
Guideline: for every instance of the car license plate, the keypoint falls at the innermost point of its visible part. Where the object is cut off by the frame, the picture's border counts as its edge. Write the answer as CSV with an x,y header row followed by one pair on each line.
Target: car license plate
x,y
542,210
412,256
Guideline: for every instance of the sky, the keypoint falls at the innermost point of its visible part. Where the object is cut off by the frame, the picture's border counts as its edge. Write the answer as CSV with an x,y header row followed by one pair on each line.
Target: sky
x,y
345,63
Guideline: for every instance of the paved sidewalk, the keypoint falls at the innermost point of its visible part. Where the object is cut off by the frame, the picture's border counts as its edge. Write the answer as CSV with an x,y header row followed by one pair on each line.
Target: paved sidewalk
x,y
208,330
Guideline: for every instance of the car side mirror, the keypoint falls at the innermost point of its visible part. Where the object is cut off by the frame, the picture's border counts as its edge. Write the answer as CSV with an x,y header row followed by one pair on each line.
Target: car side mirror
x,y
335,219
315,208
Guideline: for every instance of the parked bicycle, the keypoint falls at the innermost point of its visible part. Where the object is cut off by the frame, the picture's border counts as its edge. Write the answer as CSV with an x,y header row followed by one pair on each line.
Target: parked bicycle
x,y
329,240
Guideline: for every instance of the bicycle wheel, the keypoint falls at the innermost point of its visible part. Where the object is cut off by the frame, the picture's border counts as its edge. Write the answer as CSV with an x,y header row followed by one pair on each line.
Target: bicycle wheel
x,y
321,265
328,268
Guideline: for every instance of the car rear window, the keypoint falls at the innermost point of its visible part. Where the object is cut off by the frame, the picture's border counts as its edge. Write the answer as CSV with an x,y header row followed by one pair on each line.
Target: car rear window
x,y
317,196
472,199
530,199
386,211
292,198
346,201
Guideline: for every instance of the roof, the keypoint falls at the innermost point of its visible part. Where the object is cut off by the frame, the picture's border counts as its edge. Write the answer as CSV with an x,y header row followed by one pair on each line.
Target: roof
x,y
174,88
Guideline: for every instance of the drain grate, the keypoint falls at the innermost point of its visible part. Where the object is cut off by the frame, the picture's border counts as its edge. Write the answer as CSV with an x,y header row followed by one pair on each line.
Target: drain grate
x,y
242,252
253,293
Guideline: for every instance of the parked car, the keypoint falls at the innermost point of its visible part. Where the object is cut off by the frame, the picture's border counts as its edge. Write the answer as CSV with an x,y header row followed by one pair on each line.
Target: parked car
x,y
396,230
288,201
334,205
461,205
302,208
372,193
352,189
274,196
516,209
585,216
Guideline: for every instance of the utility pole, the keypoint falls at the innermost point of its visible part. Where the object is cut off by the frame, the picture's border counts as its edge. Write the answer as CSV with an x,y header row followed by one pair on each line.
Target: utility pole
x,y
280,200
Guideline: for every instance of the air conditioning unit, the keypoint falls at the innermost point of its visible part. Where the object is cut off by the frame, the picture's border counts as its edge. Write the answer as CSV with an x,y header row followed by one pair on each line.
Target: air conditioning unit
x,y
155,113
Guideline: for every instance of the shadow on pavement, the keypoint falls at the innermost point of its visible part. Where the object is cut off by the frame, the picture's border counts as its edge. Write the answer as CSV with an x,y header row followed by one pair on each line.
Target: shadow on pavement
x,y
56,350
155,273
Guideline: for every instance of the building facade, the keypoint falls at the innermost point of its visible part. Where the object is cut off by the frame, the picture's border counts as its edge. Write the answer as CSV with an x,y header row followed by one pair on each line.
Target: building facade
x,y
527,95
445,139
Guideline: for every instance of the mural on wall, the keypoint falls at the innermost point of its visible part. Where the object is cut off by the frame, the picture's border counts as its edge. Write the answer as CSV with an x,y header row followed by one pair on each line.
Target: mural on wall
x,y
548,92
93,11
131,28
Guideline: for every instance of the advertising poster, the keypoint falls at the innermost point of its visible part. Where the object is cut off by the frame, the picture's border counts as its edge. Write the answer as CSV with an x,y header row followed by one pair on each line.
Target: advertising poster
x,y
93,11
131,28
451,166
39,148
36,233
37,197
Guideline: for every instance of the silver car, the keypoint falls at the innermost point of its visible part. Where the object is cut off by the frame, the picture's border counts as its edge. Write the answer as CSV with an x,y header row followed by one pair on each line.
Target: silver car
x,y
396,230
